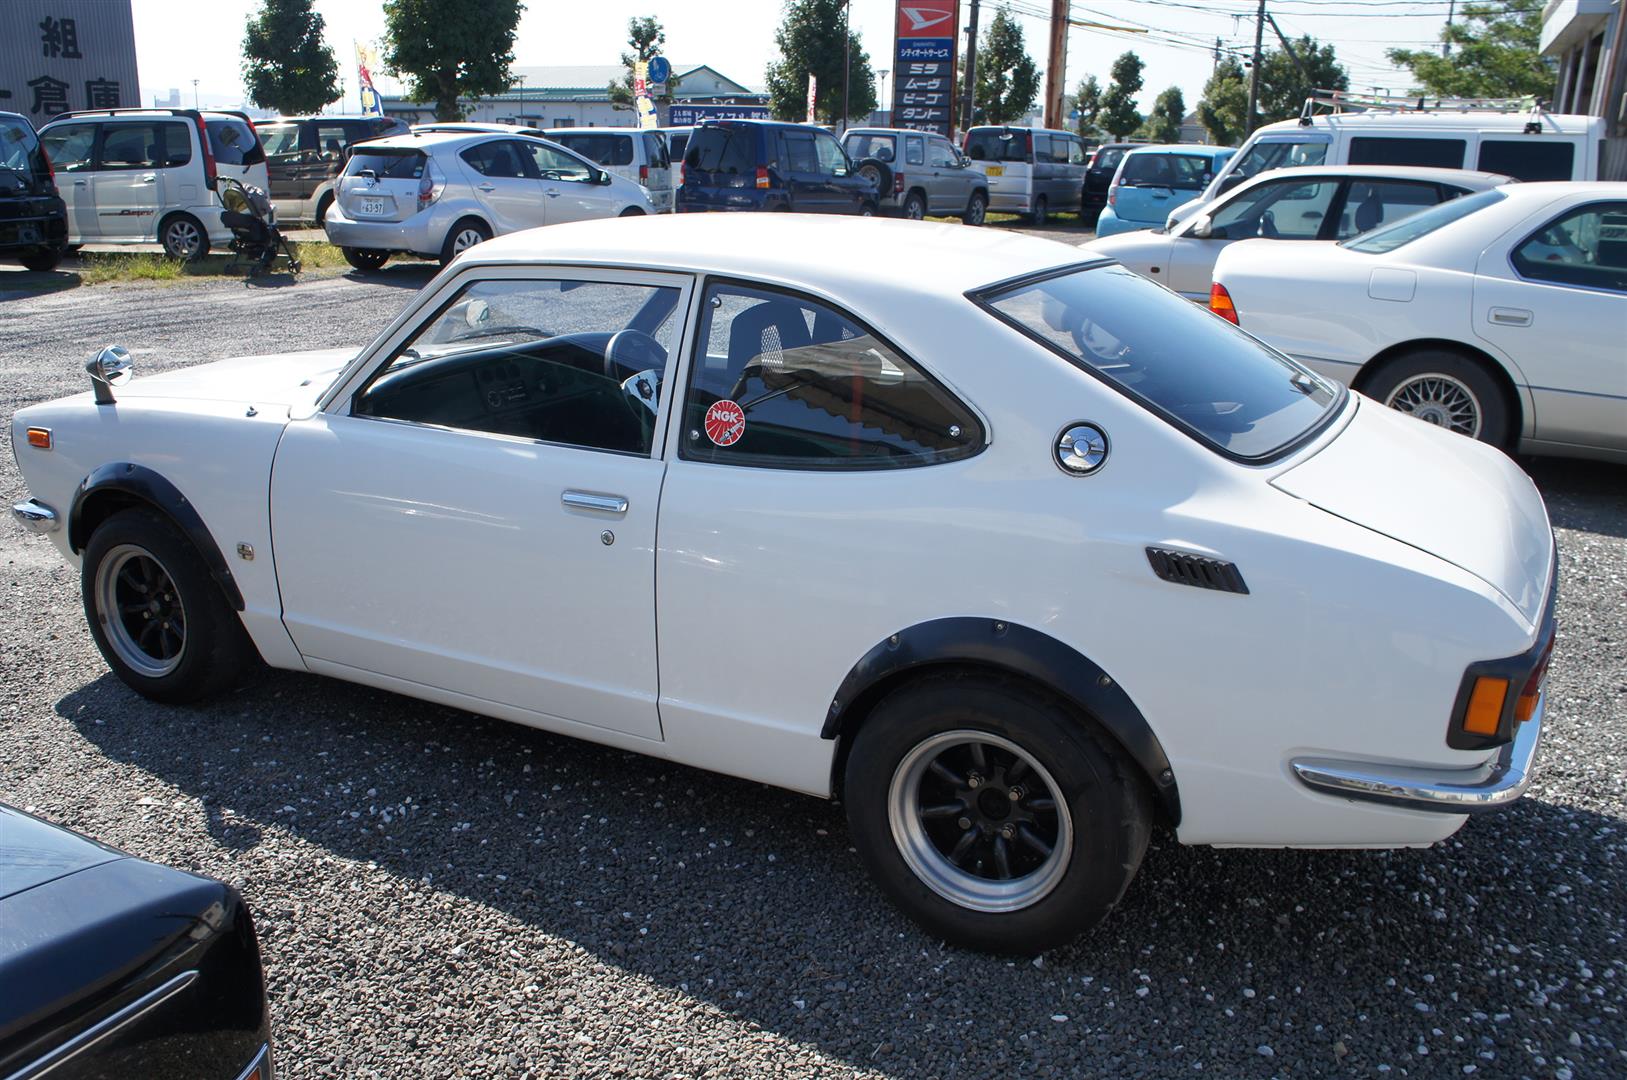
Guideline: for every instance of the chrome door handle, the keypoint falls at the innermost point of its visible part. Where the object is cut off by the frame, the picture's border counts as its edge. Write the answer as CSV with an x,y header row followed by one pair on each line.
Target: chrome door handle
x,y
488,187
1504,316
551,193
80,183
592,500
149,179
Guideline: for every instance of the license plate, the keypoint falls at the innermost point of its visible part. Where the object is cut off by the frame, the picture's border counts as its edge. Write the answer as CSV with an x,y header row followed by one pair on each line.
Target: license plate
x,y
995,170
373,206
27,234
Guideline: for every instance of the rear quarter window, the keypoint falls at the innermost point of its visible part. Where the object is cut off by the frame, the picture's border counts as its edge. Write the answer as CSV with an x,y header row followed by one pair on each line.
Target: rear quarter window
x,y
1427,153
1529,159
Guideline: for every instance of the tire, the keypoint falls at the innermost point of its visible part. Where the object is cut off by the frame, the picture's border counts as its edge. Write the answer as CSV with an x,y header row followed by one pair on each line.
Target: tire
x,y
1446,389
322,210
867,210
877,172
914,206
365,258
1042,211
464,235
977,211
42,261
1096,833
183,238
199,647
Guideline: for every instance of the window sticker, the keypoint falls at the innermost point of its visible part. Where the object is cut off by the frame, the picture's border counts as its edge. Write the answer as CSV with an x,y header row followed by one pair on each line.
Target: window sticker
x,y
725,423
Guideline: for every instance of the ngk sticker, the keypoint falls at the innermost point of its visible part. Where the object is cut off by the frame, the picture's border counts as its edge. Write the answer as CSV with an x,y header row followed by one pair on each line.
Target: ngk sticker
x,y
725,423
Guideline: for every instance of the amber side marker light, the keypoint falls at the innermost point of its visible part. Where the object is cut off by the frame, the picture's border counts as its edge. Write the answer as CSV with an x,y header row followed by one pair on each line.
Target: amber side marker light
x,y
39,438
1220,302
1485,705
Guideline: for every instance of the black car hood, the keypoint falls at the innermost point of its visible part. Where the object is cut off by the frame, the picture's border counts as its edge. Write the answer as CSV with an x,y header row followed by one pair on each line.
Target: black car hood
x,y
33,852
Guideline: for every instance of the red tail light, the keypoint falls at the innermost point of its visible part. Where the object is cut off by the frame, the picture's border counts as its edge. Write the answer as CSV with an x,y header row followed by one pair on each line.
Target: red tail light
x,y
208,155
681,177
1220,302
50,170
1526,706
898,183
762,177
644,174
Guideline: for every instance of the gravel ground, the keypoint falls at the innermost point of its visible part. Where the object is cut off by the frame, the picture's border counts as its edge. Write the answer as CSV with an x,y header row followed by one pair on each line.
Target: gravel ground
x,y
443,895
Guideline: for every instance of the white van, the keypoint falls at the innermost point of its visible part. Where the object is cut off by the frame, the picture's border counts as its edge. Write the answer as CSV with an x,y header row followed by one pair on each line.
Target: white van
x,y
132,176
1479,134
638,155
1032,171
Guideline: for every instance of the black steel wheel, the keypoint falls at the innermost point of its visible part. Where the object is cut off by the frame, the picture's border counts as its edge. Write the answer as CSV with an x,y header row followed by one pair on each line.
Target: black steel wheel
x,y
993,815
42,260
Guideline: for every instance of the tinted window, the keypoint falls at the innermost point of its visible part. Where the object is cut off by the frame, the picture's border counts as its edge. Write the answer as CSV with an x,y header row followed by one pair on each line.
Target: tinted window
x,y
69,146
387,162
1186,172
502,158
1264,156
535,359
1372,203
1587,247
800,155
655,151
19,148
1042,149
155,145
1436,153
720,149
1284,209
1107,159
1201,372
676,141
1408,229
605,149
997,144
554,164
791,383
1528,159
233,143
913,151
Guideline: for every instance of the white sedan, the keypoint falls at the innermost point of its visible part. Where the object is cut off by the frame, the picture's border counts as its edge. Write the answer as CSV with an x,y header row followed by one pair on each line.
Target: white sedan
x,y
1321,202
1022,557
1501,316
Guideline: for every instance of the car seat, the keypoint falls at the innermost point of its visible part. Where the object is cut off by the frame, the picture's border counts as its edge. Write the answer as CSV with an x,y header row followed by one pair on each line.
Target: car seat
x,y
1370,214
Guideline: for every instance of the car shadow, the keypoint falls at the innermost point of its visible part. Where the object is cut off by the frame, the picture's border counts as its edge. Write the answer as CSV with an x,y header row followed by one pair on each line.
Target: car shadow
x,y
1590,496
750,899
409,275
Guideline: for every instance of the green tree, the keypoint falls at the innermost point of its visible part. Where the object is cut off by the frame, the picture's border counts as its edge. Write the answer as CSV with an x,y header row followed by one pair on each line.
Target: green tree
x,y
451,49
1007,80
1225,101
647,39
1284,85
286,64
1119,115
1088,100
811,39
1494,54
1164,123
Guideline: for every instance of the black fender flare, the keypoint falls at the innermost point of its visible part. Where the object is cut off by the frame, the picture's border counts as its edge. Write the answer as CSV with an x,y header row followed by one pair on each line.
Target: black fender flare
x,y
145,485
1020,650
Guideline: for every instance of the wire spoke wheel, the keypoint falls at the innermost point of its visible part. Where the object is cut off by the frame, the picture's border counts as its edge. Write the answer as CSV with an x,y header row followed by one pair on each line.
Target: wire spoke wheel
x,y
1439,399
141,610
980,821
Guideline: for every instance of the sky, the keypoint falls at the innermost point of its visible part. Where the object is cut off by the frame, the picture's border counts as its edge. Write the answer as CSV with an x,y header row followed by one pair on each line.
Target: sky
x,y
737,37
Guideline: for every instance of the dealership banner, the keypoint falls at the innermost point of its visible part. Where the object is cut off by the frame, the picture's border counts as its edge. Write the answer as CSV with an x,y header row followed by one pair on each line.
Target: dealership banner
x,y
924,65
689,115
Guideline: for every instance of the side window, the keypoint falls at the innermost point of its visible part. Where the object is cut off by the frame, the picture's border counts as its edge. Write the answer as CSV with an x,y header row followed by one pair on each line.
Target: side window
x,y
69,146
832,162
1284,209
1380,202
575,362
1190,172
1586,246
145,146
1042,149
655,151
498,159
913,154
553,165
1528,159
1379,150
331,141
787,382
800,156
940,154
1077,154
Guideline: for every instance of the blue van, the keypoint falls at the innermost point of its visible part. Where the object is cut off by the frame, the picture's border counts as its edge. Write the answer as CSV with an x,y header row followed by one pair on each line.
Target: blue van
x,y
763,165
1154,180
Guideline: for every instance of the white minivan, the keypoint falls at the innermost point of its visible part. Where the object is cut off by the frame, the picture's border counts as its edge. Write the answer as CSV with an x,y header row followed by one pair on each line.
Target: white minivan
x,y
639,156
1526,144
132,176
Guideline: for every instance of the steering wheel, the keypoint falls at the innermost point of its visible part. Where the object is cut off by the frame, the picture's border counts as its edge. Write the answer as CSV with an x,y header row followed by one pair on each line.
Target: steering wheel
x,y
636,361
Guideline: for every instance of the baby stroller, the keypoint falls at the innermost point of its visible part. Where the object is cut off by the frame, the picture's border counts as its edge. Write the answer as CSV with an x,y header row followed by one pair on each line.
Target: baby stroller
x,y
256,240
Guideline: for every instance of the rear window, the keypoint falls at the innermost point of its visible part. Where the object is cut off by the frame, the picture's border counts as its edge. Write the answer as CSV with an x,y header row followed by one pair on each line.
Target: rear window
x,y
1528,159
655,150
605,149
1186,172
997,144
1428,153
1200,373
1107,159
387,162
233,142
724,150
880,147
19,147
1387,238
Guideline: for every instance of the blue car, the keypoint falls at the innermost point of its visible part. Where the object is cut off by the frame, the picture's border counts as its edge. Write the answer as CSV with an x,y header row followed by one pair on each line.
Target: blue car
x,y
761,165
1154,180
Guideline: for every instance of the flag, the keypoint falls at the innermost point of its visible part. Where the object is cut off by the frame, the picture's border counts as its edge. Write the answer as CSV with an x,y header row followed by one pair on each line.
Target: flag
x,y
813,87
366,61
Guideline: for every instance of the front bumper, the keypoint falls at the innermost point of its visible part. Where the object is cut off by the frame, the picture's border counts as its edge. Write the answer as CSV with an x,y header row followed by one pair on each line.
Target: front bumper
x,y
35,516
1489,787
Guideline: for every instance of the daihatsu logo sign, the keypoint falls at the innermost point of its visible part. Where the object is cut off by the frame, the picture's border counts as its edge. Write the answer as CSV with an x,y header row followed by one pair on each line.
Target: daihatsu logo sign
x,y
924,18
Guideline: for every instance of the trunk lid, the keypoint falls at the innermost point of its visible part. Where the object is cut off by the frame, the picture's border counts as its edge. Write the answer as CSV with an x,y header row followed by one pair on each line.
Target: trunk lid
x,y
284,379
381,183
1459,500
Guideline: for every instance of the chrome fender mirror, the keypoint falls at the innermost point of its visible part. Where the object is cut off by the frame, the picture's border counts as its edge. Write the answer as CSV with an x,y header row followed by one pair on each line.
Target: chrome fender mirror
x,y
109,368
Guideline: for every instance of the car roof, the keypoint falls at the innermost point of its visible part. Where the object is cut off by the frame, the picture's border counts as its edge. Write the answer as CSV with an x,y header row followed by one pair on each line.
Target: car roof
x,y
594,130
1388,172
1552,123
1020,127
826,253
421,139
322,116
1201,149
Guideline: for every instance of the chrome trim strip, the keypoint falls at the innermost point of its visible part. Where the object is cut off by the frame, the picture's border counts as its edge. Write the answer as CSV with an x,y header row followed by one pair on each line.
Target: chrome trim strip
x,y
1432,790
262,1057
588,500
85,1039
36,516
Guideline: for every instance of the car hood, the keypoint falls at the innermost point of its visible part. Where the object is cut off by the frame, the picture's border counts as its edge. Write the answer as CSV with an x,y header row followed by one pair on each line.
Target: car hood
x,y
33,852
1458,499
283,379
1143,243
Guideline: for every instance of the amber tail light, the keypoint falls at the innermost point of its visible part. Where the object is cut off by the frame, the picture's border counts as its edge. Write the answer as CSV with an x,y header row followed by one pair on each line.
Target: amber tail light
x,y
1220,302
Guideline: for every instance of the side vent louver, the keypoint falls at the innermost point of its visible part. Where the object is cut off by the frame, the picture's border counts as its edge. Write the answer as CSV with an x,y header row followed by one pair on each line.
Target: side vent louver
x,y
1184,568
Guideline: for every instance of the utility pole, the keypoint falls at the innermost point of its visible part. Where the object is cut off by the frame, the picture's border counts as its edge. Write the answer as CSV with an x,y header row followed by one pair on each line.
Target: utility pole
x,y
1254,72
847,57
1446,43
1216,65
1057,63
969,95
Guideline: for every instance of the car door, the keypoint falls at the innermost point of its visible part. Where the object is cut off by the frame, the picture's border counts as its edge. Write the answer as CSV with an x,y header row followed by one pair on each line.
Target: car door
x,y
841,190
472,518
1554,300
951,186
569,189
506,184
135,160
810,190
71,148
1284,209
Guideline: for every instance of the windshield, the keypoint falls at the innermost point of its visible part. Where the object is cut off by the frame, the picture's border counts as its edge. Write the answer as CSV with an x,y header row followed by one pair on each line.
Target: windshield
x,y
1271,154
997,144
1199,372
387,163
1388,238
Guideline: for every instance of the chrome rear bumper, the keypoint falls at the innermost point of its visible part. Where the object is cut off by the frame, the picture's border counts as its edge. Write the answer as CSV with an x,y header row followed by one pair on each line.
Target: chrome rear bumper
x,y
1489,787
35,516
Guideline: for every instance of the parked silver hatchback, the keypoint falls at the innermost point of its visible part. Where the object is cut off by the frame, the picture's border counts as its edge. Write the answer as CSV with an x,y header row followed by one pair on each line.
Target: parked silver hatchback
x,y
918,173
435,194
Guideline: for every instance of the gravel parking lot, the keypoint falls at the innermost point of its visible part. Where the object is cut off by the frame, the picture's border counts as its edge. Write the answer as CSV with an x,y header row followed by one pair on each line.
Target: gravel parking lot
x,y
443,895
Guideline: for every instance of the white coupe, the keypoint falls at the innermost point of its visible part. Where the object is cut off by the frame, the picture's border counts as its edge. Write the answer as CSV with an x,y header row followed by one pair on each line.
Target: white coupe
x,y
1501,315
1020,557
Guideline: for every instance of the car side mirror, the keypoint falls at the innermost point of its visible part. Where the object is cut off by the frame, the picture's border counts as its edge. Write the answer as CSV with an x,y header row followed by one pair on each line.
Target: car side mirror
x,y
602,179
1230,182
1203,228
109,368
